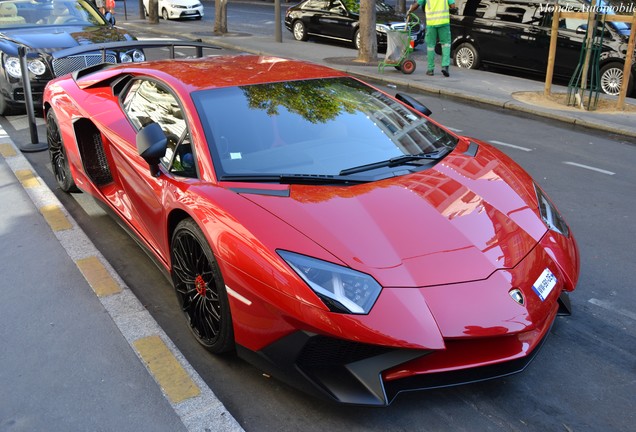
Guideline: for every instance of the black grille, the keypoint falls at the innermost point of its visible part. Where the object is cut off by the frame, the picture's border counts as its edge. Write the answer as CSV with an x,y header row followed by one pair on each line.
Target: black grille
x,y
100,172
322,352
93,153
65,65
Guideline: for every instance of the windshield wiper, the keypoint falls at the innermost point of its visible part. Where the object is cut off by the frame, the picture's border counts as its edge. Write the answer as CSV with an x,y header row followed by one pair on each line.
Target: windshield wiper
x,y
396,161
307,179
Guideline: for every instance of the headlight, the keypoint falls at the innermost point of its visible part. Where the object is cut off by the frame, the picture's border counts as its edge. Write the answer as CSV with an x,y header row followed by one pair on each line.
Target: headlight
x,y
132,56
13,67
36,67
340,288
382,28
138,56
550,214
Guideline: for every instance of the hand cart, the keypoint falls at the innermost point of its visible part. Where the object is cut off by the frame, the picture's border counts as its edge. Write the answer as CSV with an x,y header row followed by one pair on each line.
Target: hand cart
x,y
399,47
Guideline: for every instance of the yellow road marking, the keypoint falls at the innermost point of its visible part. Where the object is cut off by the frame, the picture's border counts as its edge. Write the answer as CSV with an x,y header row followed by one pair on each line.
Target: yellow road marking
x,y
173,379
98,277
7,151
55,217
27,178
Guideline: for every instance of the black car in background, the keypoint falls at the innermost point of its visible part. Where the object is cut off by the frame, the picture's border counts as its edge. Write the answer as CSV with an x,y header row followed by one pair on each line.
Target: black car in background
x,y
515,34
340,20
45,27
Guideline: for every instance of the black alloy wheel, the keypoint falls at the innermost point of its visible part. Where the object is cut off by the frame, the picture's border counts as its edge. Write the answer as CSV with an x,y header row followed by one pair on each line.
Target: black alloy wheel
x,y
57,154
200,288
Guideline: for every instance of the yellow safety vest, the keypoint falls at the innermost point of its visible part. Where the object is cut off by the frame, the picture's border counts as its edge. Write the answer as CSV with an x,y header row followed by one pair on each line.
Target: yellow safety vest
x,y
437,12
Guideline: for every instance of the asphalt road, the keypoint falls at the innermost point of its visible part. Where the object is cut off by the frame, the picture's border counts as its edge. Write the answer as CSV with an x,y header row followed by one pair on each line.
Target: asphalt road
x,y
584,379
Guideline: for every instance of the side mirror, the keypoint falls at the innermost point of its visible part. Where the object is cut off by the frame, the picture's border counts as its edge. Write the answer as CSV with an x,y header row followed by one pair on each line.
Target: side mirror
x,y
151,145
414,103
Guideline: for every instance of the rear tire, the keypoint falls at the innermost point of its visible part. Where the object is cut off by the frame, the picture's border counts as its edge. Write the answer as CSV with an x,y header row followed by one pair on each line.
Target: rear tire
x,y
57,155
299,30
466,56
357,40
611,79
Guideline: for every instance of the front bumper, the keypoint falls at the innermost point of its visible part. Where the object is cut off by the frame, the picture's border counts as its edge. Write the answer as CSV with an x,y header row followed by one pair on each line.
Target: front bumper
x,y
360,374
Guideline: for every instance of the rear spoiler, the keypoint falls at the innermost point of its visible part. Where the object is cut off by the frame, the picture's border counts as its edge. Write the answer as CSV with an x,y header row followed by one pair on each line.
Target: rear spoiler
x,y
130,45
124,46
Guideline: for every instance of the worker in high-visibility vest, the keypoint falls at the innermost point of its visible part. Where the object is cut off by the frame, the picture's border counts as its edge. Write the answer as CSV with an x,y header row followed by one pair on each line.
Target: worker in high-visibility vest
x,y
437,27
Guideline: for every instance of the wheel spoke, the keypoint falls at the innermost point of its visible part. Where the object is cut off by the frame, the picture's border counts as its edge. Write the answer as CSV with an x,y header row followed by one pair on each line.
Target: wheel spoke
x,y
195,283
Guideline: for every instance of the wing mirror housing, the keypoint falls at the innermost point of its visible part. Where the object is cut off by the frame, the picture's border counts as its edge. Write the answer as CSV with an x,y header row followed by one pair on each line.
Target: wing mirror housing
x,y
151,146
414,103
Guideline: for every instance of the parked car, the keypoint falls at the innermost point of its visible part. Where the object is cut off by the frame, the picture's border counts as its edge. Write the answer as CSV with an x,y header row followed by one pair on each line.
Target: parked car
x,y
340,20
177,9
515,34
44,27
328,232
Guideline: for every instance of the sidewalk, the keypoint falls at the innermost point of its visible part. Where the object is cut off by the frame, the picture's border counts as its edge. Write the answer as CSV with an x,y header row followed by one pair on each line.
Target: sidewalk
x,y
79,351
495,89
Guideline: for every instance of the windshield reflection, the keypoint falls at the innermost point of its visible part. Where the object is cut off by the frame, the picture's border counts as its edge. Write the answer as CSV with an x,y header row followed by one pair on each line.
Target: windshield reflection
x,y
312,127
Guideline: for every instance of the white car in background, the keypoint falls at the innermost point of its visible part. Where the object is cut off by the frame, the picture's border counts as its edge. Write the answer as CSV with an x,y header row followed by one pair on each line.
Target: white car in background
x,y
175,9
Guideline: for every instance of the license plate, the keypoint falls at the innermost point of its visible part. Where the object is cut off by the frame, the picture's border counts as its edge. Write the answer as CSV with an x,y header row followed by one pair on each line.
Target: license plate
x,y
544,285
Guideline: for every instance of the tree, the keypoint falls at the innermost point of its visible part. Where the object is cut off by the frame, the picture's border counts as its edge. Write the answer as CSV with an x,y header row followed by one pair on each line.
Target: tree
x,y
142,10
153,12
368,51
400,6
220,16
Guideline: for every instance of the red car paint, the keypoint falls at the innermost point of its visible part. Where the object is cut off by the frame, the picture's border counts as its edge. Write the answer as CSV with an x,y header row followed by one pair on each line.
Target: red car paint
x,y
447,244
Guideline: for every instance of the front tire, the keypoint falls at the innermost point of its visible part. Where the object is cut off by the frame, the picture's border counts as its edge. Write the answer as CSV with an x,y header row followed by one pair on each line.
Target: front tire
x,y
57,155
611,79
299,30
164,14
466,56
200,288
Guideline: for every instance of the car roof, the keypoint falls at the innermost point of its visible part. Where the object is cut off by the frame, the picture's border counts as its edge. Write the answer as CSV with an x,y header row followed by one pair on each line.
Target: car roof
x,y
230,70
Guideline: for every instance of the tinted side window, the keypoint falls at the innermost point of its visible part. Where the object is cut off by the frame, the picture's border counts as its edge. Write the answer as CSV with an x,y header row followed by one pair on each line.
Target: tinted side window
x,y
478,8
316,5
149,102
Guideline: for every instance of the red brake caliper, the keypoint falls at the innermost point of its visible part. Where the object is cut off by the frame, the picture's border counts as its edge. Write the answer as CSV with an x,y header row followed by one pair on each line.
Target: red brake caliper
x,y
200,285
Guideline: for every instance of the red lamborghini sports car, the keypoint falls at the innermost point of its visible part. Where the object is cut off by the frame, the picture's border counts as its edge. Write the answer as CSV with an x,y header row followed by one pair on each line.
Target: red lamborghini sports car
x,y
331,234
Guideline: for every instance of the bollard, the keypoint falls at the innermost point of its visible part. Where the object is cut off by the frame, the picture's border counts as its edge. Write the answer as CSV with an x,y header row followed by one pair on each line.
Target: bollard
x,y
35,145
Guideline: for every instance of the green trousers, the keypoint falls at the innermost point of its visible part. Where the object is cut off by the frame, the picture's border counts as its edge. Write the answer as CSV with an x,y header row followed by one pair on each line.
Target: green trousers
x,y
443,33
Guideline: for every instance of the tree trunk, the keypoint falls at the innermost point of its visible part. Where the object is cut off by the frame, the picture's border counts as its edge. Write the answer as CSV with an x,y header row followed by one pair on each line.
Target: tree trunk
x,y
142,13
220,16
368,52
153,11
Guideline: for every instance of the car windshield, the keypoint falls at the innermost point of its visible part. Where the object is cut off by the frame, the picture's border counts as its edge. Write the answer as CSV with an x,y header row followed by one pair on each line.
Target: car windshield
x,y
315,127
31,13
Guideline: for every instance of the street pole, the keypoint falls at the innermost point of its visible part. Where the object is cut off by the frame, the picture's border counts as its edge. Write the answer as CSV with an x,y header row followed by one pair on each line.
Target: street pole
x,y
35,145
277,31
